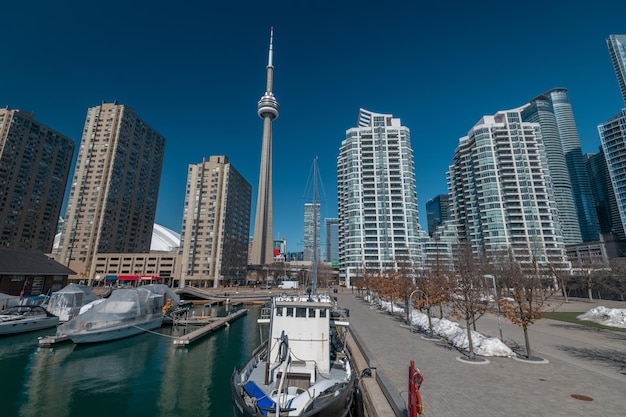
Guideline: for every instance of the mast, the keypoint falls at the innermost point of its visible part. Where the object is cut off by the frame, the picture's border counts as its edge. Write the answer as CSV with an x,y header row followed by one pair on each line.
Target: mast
x,y
314,266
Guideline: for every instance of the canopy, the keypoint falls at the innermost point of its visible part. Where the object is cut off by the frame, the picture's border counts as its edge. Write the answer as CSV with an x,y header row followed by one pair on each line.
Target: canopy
x,y
128,277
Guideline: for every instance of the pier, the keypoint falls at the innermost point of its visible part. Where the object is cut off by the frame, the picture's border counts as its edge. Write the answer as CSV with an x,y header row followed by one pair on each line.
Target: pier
x,y
189,338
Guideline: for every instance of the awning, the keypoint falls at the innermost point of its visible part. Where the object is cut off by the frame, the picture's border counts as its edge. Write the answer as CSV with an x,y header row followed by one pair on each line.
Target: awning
x,y
149,277
110,278
128,277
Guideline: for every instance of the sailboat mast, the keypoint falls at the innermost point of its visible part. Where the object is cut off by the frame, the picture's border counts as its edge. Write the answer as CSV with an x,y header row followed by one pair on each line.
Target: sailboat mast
x,y
314,266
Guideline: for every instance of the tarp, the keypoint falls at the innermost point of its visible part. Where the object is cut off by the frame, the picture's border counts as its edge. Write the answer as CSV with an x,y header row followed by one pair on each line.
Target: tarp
x,y
128,277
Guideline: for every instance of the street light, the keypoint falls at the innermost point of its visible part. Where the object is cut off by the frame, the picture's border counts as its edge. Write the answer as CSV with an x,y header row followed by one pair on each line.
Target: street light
x,y
430,325
495,295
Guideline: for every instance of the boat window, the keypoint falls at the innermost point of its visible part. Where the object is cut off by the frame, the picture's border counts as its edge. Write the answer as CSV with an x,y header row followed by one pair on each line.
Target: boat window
x,y
312,312
323,312
300,312
289,311
279,311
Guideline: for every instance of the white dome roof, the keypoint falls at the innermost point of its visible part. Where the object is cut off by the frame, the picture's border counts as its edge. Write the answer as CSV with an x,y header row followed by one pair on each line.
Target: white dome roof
x,y
163,239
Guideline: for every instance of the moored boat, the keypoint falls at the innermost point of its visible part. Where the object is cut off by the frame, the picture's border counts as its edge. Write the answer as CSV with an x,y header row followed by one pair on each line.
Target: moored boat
x,y
125,313
66,302
21,319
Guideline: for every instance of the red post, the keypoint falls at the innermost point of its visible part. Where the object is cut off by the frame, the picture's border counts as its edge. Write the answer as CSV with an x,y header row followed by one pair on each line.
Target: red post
x,y
415,406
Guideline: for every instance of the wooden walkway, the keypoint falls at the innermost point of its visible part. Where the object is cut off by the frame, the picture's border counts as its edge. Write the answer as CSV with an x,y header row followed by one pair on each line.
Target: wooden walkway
x,y
185,340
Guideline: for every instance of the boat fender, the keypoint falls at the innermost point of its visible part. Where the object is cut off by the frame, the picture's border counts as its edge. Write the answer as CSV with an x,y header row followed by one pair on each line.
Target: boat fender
x,y
357,403
283,349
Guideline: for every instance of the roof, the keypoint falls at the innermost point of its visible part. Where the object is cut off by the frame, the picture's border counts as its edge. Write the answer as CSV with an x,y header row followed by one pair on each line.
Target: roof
x,y
19,262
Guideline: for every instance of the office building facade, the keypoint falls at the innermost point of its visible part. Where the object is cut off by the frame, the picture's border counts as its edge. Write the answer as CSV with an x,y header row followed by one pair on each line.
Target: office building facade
x,y
312,231
501,193
112,201
437,212
377,200
331,236
216,223
35,163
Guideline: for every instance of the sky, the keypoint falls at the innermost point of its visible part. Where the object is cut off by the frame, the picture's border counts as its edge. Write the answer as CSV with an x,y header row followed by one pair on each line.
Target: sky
x,y
195,70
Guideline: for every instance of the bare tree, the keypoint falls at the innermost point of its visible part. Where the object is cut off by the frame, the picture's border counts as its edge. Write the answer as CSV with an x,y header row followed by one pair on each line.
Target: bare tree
x,y
467,296
525,293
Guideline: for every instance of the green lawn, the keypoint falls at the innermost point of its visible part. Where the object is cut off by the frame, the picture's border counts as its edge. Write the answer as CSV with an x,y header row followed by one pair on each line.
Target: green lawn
x,y
570,317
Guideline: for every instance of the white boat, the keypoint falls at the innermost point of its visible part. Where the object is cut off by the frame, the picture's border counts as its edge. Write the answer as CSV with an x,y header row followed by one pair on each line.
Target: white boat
x,y
125,313
66,302
302,368
21,319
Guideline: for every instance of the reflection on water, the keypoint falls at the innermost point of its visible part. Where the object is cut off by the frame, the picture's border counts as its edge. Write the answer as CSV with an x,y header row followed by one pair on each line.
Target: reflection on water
x,y
143,375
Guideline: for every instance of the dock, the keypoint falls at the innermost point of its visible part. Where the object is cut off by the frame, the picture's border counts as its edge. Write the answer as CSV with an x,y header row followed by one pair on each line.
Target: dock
x,y
187,339
49,341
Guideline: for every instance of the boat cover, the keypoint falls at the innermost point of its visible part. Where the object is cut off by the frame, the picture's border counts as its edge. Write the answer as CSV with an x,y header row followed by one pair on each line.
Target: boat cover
x,y
68,300
123,307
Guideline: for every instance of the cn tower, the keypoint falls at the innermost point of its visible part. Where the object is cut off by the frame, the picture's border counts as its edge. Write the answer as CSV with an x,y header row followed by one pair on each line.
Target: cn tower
x,y
263,240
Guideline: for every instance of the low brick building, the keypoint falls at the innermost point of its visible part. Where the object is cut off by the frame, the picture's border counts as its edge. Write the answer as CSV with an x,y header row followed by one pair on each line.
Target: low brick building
x,y
30,273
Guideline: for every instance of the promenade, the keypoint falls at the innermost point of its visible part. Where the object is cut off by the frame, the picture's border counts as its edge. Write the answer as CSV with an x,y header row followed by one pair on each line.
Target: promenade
x,y
580,361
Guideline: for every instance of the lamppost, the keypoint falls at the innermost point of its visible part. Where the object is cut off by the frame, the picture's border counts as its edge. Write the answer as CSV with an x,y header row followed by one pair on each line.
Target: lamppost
x,y
495,295
430,325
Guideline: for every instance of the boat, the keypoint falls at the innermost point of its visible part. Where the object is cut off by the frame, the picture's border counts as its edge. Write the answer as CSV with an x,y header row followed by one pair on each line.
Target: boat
x,y
125,313
66,302
22,318
303,367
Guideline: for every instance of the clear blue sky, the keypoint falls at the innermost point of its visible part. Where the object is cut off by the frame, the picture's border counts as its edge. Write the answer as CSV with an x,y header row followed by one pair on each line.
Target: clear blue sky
x,y
194,70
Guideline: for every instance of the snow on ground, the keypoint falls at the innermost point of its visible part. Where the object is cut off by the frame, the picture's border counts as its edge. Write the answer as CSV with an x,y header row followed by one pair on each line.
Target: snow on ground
x,y
491,346
455,334
614,317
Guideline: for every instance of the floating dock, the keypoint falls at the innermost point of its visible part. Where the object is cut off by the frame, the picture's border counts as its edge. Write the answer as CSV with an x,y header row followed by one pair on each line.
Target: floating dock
x,y
49,341
185,340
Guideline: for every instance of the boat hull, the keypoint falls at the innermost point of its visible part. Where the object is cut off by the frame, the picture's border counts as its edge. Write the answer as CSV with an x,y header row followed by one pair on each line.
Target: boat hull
x,y
337,406
29,325
115,333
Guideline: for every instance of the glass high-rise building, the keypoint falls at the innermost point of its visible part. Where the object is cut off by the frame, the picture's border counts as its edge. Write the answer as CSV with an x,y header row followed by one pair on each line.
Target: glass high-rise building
x,y
112,202
613,140
331,236
216,223
312,231
35,163
378,216
437,212
617,49
604,195
501,192
572,190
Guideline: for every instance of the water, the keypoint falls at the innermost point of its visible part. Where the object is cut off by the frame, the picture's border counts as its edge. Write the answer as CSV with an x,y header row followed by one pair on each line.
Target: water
x,y
144,375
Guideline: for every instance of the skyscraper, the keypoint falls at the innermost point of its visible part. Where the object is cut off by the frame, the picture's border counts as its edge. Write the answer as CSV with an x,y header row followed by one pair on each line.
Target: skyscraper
x,y
604,195
378,217
572,190
112,202
501,192
437,212
331,235
613,140
263,241
617,49
216,223
311,231
34,165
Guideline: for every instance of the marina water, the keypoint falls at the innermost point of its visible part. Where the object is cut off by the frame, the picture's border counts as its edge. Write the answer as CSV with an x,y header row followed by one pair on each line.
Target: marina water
x,y
141,376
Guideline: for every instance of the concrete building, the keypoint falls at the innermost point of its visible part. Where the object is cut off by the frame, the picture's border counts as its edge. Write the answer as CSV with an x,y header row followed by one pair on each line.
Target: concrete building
x,y
262,252
112,202
617,49
501,192
437,212
331,236
312,231
151,267
377,200
35,163
572,190
216,223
